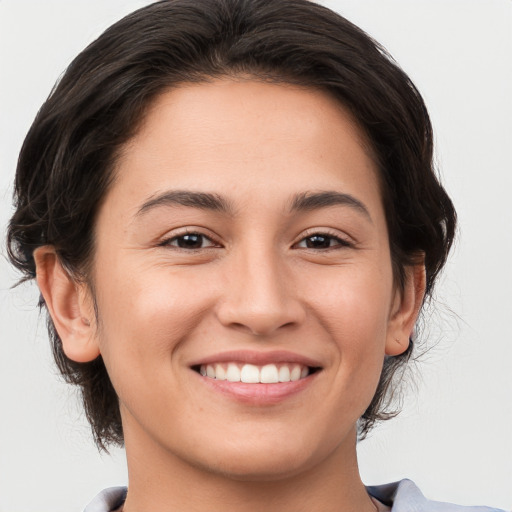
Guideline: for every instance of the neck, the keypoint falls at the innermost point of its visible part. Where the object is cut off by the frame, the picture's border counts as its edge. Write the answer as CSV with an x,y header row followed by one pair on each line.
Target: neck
x,y
159,480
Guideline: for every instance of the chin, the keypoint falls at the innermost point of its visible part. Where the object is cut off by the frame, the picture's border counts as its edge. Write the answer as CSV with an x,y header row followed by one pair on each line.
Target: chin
x,y
279,459
264,468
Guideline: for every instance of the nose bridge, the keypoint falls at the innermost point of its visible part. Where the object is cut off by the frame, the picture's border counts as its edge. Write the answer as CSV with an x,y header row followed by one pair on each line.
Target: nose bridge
x,y
259,294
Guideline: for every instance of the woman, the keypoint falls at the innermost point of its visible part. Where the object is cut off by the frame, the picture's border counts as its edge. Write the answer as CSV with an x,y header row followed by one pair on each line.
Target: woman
x,y
232,216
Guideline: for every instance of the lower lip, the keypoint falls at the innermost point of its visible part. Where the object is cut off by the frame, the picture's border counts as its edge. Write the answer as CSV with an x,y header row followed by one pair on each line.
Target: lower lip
x,y
258,394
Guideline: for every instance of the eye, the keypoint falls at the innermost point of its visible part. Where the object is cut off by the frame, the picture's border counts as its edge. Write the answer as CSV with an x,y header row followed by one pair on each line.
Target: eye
x,y
191,241
322,241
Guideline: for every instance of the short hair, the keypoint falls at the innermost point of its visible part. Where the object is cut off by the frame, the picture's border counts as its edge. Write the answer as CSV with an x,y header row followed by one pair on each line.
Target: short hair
x,y
67,161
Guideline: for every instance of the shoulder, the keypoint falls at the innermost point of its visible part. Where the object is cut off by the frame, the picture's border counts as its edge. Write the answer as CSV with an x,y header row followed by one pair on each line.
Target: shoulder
x,y
107,500
404,496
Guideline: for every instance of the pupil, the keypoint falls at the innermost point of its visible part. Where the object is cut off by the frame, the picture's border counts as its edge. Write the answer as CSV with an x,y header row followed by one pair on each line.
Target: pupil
x,y
317,242
190,241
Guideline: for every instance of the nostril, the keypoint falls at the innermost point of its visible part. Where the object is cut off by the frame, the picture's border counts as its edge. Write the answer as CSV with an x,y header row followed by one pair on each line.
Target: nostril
x,y
260,305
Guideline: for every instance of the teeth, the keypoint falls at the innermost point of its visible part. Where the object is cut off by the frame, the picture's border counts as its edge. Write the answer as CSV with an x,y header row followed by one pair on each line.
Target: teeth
x,y
233,373
252,374
284,374
295,373
220,373
269,374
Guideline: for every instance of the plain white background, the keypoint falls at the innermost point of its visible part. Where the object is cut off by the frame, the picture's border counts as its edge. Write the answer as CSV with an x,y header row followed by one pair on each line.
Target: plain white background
x,y
454,435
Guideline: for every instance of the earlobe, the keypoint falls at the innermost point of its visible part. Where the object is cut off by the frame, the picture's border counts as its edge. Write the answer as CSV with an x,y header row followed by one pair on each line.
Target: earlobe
x,y
405,310
67,304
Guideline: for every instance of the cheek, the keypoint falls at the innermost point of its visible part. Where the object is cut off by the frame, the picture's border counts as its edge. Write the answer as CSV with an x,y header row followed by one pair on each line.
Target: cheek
x,y
148,314
353,302
144,320
353,307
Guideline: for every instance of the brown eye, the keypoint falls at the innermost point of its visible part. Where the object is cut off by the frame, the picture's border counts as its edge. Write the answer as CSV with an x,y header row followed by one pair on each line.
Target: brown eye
x,y
322,241
190,241
318,242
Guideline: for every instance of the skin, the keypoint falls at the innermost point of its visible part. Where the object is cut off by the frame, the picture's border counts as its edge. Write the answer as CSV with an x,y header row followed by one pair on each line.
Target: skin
x,y
256,282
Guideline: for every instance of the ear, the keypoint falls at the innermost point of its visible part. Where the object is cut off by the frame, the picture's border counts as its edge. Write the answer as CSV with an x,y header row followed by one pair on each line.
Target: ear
x,y
69,304
406,307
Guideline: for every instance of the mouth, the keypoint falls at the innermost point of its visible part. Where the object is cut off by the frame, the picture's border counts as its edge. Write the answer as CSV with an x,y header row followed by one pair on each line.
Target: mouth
x,y
257,378
255,374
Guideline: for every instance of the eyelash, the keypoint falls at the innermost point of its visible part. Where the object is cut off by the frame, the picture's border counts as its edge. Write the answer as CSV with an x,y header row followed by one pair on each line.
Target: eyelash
x,y
330,237
325,236
170,241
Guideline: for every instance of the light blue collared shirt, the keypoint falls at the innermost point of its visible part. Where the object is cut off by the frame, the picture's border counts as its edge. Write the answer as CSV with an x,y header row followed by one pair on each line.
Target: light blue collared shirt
x,y
403,496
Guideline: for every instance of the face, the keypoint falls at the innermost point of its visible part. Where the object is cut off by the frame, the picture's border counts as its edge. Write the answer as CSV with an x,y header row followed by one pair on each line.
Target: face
x,y
243,279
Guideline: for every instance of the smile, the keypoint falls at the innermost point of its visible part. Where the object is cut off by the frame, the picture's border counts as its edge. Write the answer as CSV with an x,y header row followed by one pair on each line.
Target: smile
x,y
254,374
257,378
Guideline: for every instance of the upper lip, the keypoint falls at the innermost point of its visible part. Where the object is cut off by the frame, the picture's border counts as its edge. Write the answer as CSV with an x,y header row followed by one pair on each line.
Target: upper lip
x,y
258,358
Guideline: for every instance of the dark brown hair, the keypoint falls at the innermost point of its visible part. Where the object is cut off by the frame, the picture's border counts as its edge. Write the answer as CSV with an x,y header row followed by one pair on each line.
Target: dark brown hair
x,y
67,160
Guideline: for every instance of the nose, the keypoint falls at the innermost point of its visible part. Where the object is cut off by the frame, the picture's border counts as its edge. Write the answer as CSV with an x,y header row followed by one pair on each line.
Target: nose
x,y
260,295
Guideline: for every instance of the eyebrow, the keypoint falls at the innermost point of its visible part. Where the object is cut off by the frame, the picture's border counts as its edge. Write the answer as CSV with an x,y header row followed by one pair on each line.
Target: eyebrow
x,y
308,201
201,200
305,201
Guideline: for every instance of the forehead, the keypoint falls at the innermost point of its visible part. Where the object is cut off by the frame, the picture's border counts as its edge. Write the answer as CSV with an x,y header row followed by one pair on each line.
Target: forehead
x,y
236,135
246,105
